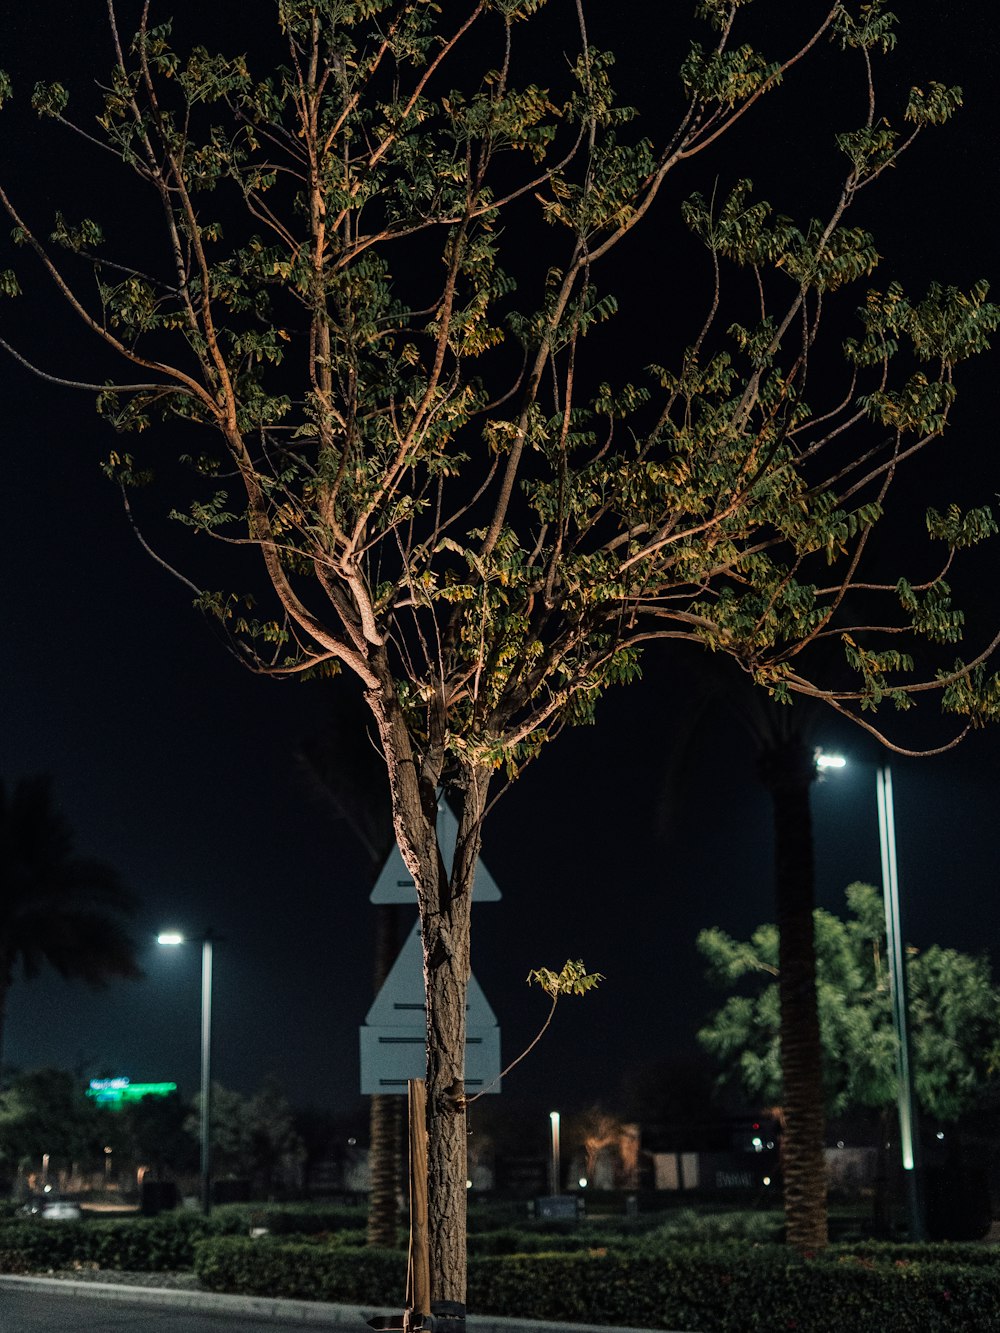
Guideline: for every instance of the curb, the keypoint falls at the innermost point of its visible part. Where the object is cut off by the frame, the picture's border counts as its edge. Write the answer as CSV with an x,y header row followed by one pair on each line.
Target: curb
x,y
317,1313
322,1314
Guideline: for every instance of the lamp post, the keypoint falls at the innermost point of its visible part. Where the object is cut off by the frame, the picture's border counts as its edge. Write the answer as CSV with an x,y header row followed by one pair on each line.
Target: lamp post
x,y
895,948
175,938
896,951
554,1165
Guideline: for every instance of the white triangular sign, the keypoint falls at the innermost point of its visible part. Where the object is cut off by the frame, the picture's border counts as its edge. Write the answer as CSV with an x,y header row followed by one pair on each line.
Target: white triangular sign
x,y
395,883
400,1002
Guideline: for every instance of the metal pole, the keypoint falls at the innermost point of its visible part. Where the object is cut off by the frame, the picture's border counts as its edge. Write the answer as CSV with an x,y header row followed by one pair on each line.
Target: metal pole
x,y
206,1073
895,949
554,1166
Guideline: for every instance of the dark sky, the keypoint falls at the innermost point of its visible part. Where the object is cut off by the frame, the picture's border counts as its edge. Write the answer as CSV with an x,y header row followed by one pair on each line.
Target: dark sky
x,y
179,768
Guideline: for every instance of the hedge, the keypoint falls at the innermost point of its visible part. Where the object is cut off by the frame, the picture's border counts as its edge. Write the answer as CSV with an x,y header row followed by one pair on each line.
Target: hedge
x,y
720,1288
266,1267
154,1244
160,1244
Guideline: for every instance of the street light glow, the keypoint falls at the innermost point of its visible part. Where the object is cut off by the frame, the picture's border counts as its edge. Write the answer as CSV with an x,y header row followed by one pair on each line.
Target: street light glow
x,y
830,760
174,937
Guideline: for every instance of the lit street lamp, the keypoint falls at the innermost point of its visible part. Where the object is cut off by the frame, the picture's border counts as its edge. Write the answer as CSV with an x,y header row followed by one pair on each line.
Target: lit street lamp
x,y
174,938
895,949
554,1166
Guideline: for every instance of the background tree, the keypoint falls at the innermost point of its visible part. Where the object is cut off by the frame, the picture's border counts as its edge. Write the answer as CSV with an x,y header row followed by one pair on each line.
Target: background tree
x,y
786,764
253,1138
954,1015
46,1111
341,755
156,1135
57,909
374,297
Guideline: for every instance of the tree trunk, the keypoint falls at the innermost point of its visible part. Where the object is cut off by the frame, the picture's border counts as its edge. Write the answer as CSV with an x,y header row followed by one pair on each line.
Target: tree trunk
x,y
4,990
445,931
788,770
444,903
385,1112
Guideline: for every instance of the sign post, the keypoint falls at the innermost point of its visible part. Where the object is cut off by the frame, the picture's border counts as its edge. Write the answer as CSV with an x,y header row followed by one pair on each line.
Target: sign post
x,y
418,1273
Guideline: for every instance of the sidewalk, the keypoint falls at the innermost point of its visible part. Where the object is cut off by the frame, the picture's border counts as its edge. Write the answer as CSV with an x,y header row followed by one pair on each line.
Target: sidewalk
x,y
315,1314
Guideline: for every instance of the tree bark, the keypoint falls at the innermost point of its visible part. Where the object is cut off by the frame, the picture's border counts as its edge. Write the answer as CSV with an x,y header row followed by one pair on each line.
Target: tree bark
x,y
788,770
444,902
4,988
446,940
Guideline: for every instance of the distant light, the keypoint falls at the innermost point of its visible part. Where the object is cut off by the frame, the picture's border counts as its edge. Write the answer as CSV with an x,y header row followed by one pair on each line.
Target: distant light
x,y
554,1117
830,760
770,1143
351,1143
940,1134
840,1143
48,1189
583,1182
767,1180
468,1184
758,1144
170,937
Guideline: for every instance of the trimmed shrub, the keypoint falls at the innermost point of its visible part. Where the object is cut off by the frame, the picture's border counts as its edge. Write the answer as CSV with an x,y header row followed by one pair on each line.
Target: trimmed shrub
x,y
300,1219
267,1267
722,1288
141,1244
159,1244
510,1240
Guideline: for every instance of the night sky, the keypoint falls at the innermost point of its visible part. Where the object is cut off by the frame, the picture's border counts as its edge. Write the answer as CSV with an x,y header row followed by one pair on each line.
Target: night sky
x,y
182,770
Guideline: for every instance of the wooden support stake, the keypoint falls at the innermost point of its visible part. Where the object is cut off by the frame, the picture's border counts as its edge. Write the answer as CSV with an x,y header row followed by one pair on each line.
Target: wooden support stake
x,y
418,1275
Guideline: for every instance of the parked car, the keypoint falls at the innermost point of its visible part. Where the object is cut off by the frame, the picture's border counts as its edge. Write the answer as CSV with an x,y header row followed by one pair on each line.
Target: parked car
x,y
61,1210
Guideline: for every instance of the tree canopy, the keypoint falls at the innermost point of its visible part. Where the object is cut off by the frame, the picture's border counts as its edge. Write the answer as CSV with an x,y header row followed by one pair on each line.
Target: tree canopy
x,y
451,493
954,1014
57,908
358,329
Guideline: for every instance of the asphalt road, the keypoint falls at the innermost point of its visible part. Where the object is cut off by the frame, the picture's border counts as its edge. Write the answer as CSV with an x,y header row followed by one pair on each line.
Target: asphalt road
x,y
58,1312
44,1306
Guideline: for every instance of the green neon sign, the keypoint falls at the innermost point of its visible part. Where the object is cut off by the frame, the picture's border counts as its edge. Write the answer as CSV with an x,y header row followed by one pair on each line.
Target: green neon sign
x,y
120,1091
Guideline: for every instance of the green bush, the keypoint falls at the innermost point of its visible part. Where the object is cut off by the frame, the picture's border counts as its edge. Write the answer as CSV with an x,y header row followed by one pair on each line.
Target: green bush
x,y
153,1244
720,1288
159,1244
268,1267
513,1240
300,1219
689,1225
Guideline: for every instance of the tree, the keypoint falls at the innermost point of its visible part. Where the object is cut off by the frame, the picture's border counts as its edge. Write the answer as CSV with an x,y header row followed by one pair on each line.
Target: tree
x,y
352,776
45,1112
954,1013
154,1128
252,1137
57,909
375,300
786,765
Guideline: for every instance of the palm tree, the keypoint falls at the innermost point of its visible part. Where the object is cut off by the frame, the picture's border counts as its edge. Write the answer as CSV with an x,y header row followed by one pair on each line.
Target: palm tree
x,y
351,775
787,766
786,763
57,909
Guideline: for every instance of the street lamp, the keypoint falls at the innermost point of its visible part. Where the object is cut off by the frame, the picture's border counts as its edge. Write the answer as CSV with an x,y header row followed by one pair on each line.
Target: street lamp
x,y
171,938
895,950
554,1166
